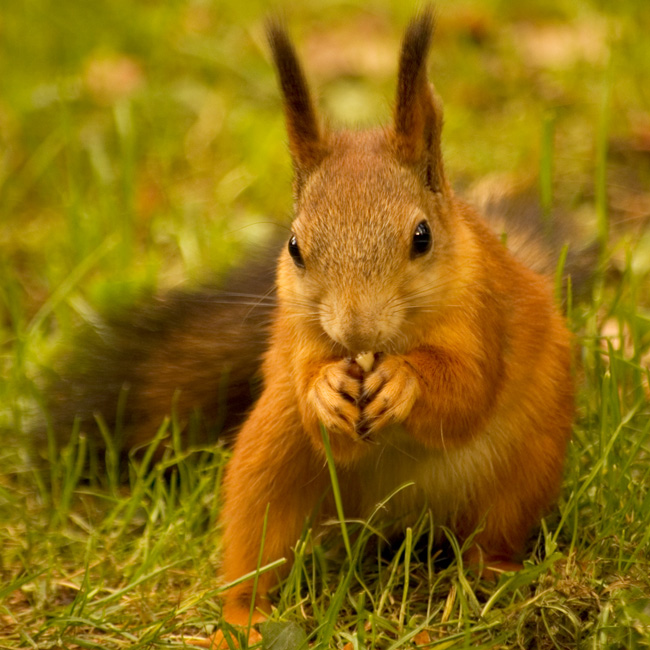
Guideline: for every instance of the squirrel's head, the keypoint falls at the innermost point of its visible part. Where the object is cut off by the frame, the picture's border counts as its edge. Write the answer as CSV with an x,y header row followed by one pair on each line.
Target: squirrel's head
x,y
367,261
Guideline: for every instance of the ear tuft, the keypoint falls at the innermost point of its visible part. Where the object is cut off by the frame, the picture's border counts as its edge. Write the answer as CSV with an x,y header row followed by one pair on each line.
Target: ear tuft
x,y
305,138
418,111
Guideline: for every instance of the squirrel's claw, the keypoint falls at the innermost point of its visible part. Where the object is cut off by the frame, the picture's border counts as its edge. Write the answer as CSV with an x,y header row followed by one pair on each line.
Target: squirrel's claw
x,y
389,393
334,396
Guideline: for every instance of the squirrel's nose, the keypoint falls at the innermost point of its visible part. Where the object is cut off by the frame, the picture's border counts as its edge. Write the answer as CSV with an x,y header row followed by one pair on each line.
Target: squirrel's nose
x,y
357,331
357,341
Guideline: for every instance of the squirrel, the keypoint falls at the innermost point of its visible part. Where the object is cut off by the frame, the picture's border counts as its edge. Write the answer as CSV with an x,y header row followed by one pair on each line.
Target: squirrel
x,y
468,393
400,323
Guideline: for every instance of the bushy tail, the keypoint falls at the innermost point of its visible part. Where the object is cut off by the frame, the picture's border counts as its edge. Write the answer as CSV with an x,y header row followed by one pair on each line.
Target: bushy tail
x,y
536,239
193,355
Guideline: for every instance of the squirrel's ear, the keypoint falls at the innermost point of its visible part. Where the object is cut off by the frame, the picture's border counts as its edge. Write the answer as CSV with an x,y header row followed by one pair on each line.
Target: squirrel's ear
x,y
305,139
418,110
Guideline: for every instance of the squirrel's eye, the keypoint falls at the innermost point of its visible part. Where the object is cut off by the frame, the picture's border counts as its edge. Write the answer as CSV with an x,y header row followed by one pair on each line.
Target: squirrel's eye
x,y
294,251
422,239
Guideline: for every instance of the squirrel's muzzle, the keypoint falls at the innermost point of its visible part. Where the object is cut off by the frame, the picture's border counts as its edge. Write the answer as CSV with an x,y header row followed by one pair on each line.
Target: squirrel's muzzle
x,y
361,325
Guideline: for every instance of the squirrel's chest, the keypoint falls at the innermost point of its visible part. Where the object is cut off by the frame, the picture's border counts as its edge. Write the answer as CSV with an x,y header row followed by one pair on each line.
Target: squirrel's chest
x,y
408,477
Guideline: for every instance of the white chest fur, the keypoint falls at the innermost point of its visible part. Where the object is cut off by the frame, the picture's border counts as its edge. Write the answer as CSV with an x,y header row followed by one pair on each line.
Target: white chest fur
x,y
447,481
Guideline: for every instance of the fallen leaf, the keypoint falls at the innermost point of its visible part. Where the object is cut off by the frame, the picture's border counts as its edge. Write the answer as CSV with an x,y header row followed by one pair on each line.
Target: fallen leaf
x,y
422,638
280,635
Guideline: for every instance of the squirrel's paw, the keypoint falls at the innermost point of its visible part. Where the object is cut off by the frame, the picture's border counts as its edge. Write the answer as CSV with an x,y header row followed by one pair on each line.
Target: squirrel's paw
x,y
335,396
389,393
240,624
488,566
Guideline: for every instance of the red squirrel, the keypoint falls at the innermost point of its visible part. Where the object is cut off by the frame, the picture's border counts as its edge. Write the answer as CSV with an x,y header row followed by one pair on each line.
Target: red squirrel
x,y
467,392
401,323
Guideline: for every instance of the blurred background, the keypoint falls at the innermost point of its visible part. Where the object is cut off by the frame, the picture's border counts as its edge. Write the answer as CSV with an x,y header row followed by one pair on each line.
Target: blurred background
x,y
142,143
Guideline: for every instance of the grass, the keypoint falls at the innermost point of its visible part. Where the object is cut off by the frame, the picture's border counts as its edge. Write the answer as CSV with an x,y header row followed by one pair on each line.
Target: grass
x,y
142,146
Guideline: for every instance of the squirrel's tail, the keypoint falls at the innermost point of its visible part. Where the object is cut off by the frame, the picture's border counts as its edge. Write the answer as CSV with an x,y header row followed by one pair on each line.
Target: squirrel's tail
x,y
192,355
536,239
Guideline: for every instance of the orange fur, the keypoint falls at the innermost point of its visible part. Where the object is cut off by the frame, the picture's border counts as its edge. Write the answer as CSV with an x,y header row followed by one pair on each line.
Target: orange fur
x,y
471,394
